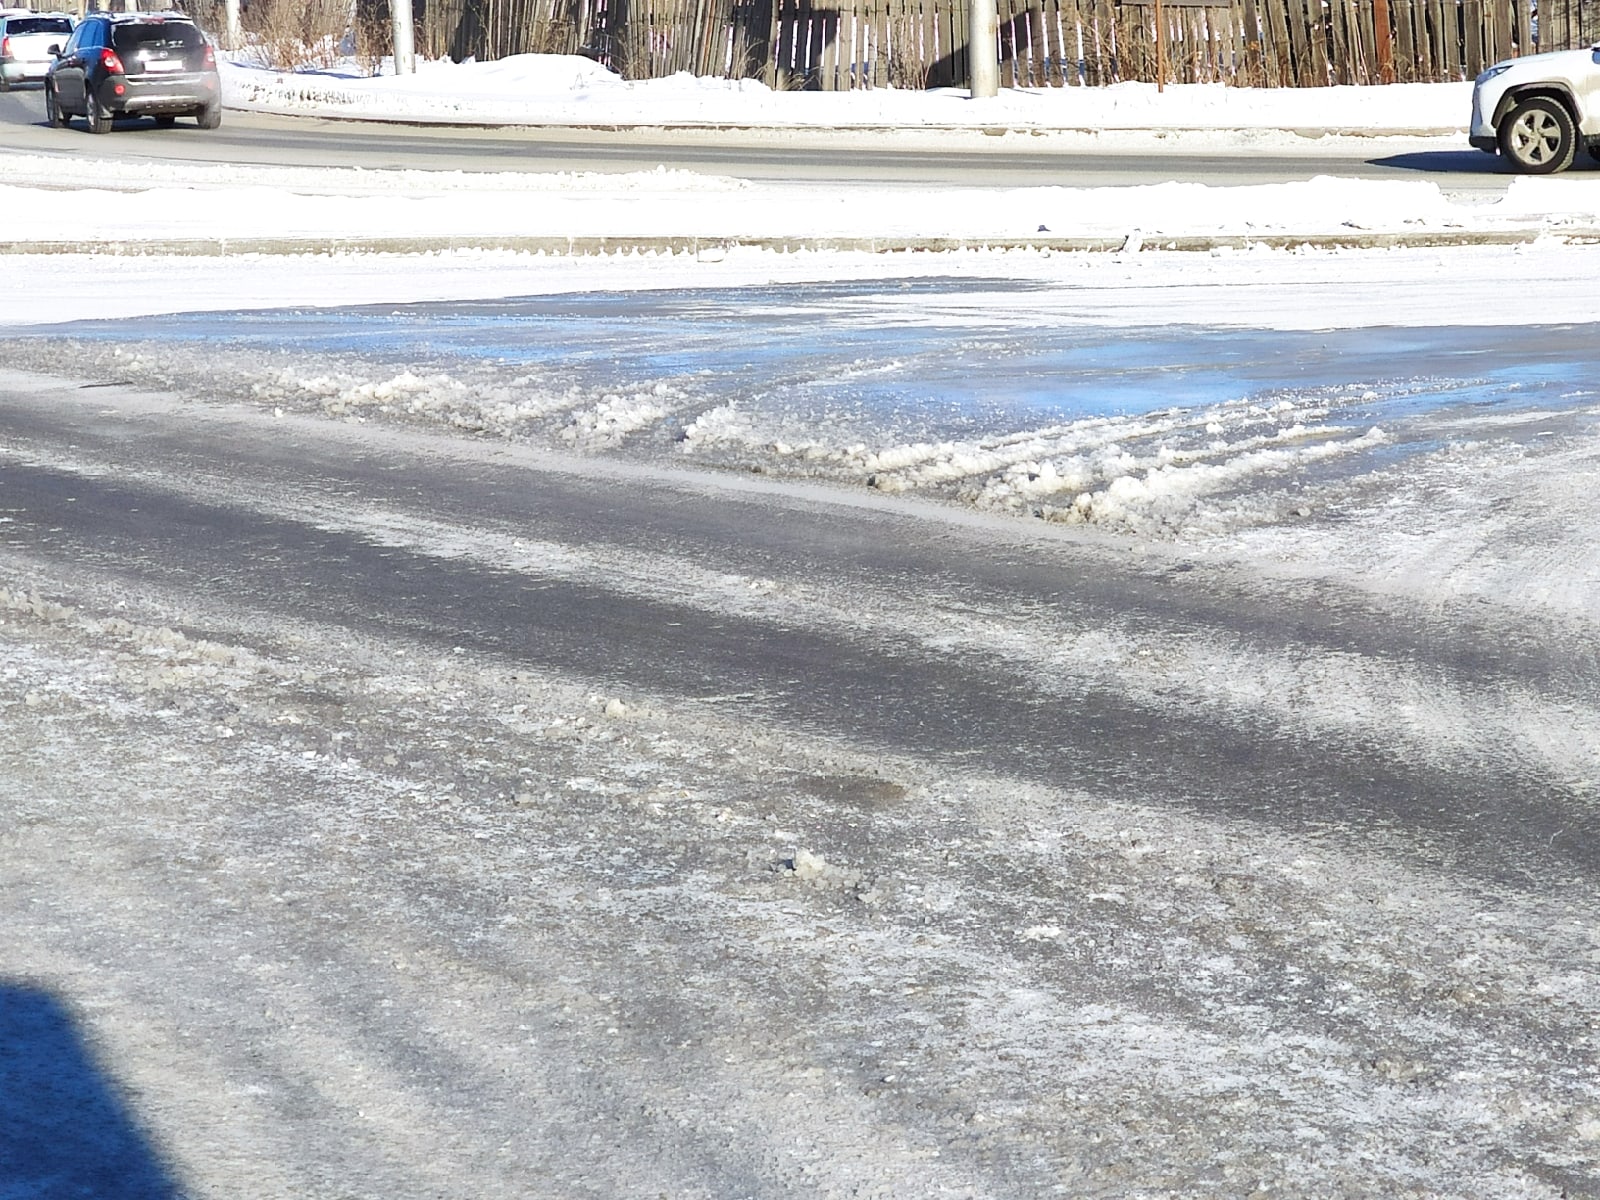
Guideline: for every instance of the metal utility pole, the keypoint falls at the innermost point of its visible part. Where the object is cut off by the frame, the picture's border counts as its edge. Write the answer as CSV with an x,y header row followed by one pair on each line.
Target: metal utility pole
x,y
405,52
983,49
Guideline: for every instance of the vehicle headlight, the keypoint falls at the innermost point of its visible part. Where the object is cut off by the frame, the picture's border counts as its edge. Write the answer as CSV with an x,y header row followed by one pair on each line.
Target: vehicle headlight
x,y
1497,69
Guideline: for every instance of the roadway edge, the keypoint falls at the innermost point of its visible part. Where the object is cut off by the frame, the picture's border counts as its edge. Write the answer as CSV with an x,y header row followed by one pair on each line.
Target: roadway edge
x,y
703,247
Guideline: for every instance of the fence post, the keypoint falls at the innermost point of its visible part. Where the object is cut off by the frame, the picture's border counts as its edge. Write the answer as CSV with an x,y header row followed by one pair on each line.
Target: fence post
x,y
1383,37
1161,51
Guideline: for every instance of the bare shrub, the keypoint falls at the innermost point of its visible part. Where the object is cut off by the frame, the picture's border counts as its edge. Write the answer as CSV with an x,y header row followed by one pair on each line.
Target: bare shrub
x,y
635,53
210,15
370,35
752,64
908,65
290,35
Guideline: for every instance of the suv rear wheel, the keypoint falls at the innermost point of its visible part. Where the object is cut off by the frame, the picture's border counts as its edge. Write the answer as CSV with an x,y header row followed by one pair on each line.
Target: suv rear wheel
x,y
1538,136
96,115
52,111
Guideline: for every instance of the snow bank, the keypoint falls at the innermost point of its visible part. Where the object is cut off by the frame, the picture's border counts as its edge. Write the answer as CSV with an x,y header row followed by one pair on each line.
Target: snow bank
x,y
542,89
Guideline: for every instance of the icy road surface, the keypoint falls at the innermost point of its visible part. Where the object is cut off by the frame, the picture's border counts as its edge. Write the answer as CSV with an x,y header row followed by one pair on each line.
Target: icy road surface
x,y
436,772
1003,395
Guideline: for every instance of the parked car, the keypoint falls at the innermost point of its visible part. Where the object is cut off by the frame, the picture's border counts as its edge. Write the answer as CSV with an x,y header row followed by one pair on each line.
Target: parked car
x,y
25,41
134,64
1539,111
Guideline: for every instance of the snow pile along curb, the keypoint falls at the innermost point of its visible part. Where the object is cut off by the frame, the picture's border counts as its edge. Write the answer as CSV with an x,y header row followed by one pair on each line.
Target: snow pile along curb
x,y
568,90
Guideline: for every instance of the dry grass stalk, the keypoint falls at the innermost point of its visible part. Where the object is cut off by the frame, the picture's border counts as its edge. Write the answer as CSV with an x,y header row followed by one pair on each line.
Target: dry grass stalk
x,y
908,64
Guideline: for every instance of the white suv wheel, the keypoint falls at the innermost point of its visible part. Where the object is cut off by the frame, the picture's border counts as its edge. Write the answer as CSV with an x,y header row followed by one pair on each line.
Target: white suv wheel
x,y
1538,136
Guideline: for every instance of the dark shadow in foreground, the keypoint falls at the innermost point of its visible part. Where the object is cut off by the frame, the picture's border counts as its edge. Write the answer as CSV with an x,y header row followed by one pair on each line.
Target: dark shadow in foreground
x,y
1465,161
65,1128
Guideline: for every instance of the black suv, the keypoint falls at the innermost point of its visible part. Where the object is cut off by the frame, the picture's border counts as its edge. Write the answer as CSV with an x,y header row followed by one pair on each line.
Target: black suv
x,y
134,64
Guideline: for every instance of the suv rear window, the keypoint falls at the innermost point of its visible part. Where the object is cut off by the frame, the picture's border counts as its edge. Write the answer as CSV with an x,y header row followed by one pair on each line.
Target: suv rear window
x,y
38,25
168,35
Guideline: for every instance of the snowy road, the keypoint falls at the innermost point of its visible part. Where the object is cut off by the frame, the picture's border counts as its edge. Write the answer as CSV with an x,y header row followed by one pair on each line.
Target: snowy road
x,y
711,722
701,720
403,814
895,160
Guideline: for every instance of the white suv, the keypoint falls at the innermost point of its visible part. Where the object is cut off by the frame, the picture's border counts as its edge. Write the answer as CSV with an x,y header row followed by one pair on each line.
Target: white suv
x,y
1539,110
25,41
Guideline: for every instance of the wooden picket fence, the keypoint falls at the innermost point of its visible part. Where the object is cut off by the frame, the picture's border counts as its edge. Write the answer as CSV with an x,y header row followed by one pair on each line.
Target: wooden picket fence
x,y
1568,24
834,45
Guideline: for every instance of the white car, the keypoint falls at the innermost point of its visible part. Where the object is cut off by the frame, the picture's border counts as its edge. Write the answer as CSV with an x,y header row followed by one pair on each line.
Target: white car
x,y
25,42
1539,111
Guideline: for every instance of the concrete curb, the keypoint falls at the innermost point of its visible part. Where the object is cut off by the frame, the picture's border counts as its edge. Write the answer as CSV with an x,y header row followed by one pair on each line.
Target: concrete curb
x,y
706,247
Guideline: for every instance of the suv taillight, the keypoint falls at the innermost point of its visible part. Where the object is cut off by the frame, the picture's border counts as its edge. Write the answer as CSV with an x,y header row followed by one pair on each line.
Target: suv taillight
x,y
211,56
5,47
110,61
